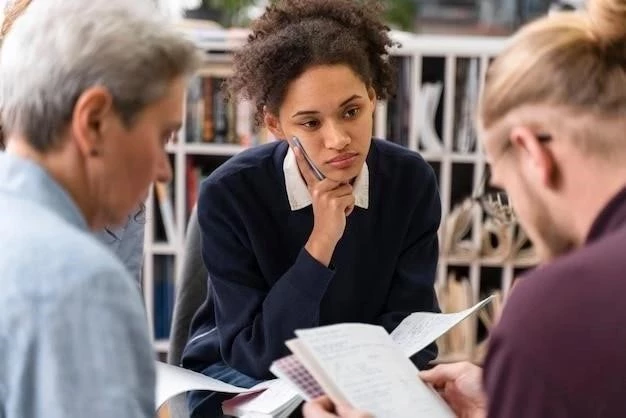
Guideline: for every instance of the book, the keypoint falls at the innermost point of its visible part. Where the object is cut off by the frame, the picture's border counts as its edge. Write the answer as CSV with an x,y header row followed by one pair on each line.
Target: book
x,y
167,211
364,366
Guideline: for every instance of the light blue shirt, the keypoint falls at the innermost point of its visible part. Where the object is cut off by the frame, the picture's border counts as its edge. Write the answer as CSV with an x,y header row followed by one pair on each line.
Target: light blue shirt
x,y
126,242
74,340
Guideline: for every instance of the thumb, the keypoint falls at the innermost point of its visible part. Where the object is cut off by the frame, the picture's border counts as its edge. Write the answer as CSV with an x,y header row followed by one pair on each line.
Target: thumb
x,y
430,375
443,373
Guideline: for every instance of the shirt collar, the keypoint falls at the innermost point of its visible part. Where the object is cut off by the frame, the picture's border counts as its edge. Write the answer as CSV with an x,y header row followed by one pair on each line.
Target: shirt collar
x,y
298,193
610,218
29,181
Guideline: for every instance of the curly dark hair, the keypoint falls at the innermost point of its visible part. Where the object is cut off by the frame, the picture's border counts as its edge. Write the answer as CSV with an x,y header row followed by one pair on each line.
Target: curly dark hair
x,y
294,35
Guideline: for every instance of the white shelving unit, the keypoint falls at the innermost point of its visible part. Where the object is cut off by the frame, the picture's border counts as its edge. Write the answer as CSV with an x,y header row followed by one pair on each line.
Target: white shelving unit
x,y
419,50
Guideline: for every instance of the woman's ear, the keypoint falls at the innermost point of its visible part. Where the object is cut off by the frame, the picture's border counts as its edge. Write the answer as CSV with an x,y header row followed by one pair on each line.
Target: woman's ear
x,y
273,125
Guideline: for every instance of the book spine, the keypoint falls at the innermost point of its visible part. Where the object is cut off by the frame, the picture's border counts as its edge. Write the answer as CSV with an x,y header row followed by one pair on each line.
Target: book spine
x,y
167,211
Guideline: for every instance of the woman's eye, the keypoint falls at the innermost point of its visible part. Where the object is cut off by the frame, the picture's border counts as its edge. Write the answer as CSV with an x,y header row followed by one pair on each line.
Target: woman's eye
x,y
311,124
352,113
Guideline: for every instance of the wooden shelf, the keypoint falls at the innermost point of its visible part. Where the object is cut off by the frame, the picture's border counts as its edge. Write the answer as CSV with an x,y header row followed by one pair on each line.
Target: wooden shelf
x,y
212,149
486,262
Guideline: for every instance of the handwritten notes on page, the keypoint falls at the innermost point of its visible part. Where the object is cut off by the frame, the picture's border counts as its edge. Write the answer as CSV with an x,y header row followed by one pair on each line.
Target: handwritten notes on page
x,y
419,329
173,380
372,372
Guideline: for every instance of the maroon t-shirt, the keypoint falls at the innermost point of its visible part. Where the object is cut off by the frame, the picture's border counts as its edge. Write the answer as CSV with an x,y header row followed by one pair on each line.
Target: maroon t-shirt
x,y
560,347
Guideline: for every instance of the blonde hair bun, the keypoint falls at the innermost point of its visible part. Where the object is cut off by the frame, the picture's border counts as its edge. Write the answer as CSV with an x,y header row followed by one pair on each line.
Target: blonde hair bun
x,y
608,20
12,10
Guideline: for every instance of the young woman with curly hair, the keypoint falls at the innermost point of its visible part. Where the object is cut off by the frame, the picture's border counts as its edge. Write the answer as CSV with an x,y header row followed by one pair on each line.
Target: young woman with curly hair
x,y
286,250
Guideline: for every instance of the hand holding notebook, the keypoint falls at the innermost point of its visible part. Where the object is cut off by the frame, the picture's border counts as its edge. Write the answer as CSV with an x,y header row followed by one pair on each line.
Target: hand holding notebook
x,y
363,366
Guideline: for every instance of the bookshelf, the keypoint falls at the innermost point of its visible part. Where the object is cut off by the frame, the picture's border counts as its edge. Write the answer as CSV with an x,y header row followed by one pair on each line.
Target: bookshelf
x,y
438,81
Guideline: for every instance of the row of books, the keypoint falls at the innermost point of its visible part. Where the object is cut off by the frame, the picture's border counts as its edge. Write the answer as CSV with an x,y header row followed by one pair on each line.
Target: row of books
x,y
211,118
165,228
195,173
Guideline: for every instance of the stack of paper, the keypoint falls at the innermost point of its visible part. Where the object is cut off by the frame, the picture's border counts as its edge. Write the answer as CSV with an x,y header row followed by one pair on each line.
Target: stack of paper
x,y
271,399
277,401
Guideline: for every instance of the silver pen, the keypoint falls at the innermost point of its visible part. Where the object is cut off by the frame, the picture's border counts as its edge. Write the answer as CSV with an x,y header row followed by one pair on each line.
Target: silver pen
x,y
316,171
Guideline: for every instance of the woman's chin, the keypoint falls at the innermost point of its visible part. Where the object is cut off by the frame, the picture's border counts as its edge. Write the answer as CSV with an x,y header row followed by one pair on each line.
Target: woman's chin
x,y
345,176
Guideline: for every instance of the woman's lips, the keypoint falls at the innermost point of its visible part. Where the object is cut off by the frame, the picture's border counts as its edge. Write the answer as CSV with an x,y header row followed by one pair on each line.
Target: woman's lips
x,y
343,161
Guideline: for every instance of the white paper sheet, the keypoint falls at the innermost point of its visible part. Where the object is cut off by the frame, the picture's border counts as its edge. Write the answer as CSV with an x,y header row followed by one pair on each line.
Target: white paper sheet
x,y
419,329
172,380
372,372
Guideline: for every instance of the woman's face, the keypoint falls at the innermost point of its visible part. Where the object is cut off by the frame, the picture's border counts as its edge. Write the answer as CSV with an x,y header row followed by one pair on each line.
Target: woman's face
x,y
330,109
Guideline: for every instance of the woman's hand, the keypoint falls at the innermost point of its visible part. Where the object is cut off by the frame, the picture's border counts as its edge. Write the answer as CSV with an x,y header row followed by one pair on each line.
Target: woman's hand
x,y
332,203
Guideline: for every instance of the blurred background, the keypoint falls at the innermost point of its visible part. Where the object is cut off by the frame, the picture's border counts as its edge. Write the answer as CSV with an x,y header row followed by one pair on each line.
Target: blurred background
x,y
480,17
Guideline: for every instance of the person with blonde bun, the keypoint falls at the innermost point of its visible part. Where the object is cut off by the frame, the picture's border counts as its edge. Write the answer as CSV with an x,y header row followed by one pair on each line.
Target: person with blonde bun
x,y
552,119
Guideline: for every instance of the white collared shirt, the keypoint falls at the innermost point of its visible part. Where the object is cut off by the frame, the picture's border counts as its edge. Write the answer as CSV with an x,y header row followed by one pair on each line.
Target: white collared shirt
x,y
298,192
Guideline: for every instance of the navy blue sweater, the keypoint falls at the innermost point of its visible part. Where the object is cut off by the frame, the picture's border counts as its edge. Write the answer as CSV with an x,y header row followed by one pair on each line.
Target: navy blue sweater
x,y
264,284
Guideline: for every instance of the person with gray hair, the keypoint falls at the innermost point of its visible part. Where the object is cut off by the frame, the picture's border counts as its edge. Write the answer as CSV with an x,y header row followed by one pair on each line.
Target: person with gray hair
x,y
126,240
90,94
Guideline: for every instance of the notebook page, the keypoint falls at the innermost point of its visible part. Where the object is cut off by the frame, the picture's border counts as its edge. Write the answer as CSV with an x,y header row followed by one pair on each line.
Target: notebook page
x,y
172,380
419,329
372,372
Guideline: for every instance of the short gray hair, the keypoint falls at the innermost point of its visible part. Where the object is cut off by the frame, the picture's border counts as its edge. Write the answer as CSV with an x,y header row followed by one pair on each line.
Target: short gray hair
x,y
60,48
